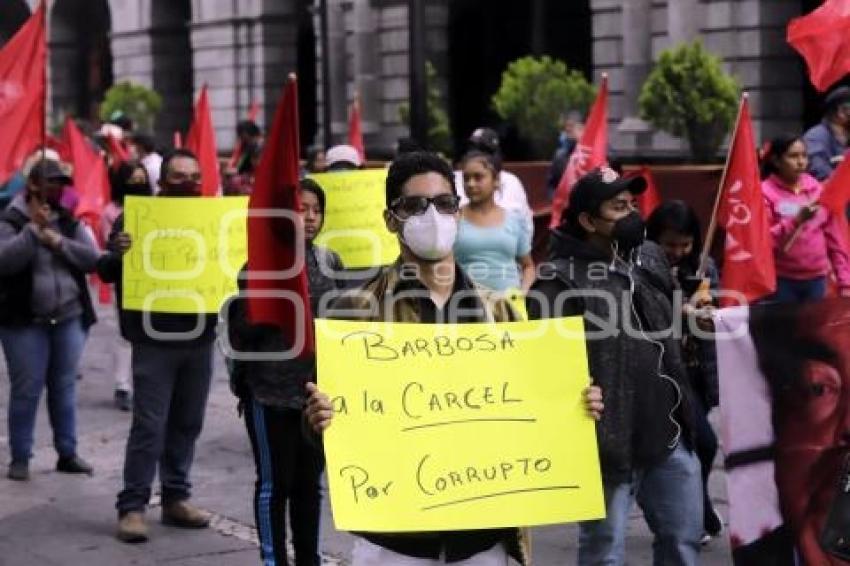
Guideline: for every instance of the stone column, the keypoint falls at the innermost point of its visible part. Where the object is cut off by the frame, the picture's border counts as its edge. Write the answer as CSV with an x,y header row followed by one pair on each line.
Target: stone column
x,y
637,62
365,70
683,19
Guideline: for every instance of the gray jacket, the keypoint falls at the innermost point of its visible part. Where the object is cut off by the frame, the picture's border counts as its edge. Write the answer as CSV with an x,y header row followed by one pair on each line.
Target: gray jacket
x,y
824,149
55,293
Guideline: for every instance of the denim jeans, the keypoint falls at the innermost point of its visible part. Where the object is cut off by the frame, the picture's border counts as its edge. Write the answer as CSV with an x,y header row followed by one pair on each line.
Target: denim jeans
x,y
39,355
799,290
170,389
670,496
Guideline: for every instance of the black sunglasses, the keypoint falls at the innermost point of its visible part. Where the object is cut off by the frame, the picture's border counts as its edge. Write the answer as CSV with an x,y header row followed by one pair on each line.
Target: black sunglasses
x,y
405,207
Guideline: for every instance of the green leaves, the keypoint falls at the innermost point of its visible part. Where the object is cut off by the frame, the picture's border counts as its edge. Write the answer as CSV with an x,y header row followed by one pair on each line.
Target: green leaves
x,y
439,130
138,102
688,94
535,92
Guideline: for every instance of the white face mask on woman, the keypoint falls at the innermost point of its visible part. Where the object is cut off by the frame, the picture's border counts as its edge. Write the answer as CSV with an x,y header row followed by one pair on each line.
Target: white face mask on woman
x,y
430,235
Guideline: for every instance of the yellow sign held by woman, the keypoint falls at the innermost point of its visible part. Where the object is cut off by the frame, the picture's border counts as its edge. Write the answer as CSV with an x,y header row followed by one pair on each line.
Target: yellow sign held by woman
x,y
449,427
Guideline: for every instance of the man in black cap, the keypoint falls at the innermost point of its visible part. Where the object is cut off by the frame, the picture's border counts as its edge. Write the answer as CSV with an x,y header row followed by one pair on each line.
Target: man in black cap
x,y
827,141
601,267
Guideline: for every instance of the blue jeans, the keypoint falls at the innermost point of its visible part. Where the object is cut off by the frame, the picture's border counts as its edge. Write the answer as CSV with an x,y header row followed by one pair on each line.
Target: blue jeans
x,y
39,355
670,496
799,290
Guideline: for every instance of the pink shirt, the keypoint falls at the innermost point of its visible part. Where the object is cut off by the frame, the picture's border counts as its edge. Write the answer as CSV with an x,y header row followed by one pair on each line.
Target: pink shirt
x,y
822,242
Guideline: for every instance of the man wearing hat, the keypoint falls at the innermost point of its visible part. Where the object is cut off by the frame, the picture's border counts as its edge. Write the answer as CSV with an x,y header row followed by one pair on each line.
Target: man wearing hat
x,y
601,267
45,312
827,141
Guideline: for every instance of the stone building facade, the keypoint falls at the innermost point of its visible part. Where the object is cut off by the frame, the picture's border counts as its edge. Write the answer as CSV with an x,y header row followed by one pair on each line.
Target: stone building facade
x,y
244,49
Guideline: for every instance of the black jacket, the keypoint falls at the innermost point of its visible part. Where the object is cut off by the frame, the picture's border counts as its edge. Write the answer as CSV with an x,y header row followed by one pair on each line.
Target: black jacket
x,y
277,383
110,269
636,429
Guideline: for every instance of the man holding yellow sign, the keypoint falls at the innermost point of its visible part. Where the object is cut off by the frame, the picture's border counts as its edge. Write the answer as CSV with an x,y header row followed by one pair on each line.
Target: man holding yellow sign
x,y
439,485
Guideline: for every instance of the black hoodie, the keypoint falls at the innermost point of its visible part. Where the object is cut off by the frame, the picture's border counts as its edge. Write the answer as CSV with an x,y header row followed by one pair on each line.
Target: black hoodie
x,y
636,430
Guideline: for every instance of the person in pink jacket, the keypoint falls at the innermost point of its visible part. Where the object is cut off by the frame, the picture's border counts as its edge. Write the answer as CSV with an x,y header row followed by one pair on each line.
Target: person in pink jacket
x,y
809,242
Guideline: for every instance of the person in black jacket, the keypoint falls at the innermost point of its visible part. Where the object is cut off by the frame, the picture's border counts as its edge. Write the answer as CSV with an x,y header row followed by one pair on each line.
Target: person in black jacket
x,y
172,367
45,313
272,396
600,267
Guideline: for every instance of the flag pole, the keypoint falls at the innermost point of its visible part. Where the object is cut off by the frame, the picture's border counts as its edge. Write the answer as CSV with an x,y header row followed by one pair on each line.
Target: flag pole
x,y
712,225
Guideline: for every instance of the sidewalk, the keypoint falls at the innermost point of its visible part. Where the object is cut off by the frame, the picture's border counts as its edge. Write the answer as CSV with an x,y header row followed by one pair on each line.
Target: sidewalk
x,y
56,519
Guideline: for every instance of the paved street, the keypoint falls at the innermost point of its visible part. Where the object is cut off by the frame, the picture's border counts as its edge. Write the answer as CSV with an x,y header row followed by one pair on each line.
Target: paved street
x,y
57,519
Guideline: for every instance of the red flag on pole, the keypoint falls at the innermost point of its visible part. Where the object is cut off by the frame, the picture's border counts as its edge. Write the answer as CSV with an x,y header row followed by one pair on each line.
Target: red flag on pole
x,y
590,152
823,39
201,141
22,92
748,266
275,239
177,140
836,189
649,199
90,177
117,150
355,129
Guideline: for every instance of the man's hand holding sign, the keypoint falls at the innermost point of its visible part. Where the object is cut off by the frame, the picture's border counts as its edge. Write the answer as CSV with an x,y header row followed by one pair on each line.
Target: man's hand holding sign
x,y
456,427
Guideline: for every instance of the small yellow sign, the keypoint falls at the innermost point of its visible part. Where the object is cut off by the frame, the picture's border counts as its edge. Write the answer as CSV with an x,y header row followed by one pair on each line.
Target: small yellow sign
x,y
186,252
451,427
354,222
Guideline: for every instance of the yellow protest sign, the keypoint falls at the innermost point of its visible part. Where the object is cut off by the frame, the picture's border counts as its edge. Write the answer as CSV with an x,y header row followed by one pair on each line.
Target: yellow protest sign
x,y
354,223
445,427
186,252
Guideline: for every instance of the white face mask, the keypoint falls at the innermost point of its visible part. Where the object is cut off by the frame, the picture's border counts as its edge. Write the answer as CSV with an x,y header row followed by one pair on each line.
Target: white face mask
x,y
430,235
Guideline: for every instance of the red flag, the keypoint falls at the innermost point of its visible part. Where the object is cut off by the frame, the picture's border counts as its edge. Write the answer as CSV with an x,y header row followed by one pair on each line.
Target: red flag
x,y
823,39
836,189
117,150
276,244
177,140
90,177
22,91
748,252
649,199
254,111
590,152
201,141
355,129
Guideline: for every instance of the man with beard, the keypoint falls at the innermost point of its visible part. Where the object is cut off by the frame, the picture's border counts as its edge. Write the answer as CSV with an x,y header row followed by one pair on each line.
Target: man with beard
x,y
172,366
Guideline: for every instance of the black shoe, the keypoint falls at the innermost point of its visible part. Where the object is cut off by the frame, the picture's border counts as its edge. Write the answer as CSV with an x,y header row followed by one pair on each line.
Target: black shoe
x,y
73,465
19,470
123,401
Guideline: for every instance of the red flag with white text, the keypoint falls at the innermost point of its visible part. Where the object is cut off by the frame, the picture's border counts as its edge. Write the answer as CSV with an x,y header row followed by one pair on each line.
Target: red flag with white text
x,y
90,177
22,90
748,266
200,140
590,152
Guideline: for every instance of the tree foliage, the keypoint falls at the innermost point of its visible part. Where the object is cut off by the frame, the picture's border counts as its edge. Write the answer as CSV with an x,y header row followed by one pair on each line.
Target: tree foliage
x,y
535,93
439,130
688,94
135,101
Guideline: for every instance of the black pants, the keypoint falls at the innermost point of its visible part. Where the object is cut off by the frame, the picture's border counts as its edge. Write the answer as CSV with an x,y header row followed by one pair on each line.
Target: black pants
x,y
706,449
289,468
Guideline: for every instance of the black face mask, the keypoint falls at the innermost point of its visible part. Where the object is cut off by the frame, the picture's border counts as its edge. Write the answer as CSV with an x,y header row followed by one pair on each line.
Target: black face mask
x,y
182,189
137,189
629,232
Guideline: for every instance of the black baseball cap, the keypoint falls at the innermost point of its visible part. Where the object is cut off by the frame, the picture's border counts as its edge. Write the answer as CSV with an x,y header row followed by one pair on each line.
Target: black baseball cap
x,y
48,170
600,185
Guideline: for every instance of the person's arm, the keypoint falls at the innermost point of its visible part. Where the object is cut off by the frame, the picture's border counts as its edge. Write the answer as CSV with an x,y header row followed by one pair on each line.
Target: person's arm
x,y
835,232
79,251
17,248
527,274
109,266
781,227
817,146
